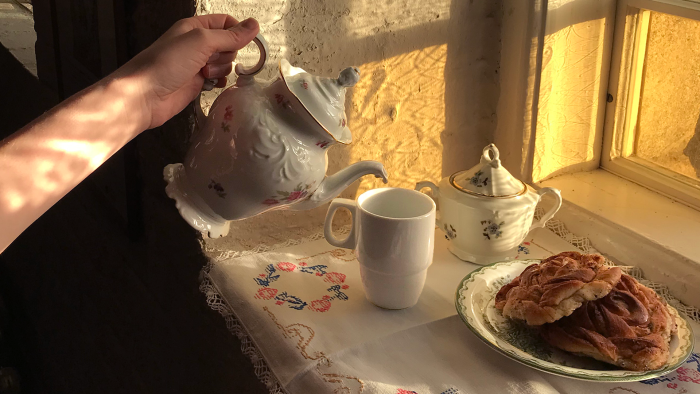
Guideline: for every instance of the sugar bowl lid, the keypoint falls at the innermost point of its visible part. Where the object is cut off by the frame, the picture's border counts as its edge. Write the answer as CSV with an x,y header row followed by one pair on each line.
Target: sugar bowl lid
x,y
323,98
488,178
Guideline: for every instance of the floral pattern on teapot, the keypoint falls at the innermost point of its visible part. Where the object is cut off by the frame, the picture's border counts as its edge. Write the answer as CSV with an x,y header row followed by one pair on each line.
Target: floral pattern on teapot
x,y
228,115
218,189
299,192
283,101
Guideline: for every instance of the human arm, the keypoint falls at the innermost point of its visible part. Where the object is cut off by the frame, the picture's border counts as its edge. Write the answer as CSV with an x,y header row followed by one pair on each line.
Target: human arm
x,y
43,161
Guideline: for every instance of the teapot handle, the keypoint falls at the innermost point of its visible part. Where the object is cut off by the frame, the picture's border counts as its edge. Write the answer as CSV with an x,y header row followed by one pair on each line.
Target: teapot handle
x,y
260,41
262,47
557,195
239,70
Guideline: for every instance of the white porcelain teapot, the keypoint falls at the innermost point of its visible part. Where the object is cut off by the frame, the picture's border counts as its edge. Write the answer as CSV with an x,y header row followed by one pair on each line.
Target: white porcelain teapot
x,y
263,146
485,212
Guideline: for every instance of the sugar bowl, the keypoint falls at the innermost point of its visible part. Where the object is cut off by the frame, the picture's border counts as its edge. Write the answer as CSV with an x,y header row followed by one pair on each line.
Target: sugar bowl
x,y
485,212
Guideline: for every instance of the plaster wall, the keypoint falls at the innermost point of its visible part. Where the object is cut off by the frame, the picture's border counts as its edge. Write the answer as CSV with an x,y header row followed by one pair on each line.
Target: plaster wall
x,y
426,102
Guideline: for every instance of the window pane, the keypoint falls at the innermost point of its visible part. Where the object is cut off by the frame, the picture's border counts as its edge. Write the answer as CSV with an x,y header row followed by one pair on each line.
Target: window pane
x,y
668,128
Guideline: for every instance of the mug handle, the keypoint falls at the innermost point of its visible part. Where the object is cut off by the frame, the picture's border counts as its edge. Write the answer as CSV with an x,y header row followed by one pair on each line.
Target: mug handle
x,y
349,242
436,195
557,195
260,41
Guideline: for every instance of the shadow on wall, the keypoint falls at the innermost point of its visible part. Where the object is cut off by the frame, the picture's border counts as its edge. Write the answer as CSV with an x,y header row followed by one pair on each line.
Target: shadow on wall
x,y
472,82
692,150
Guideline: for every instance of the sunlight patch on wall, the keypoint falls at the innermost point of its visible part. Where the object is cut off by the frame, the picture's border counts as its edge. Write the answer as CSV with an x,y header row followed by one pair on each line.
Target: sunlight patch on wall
x,y
568,101
398,114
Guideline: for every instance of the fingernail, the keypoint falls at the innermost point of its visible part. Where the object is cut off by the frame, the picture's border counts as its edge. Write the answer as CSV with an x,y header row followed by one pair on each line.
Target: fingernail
x,y
249,24
218,70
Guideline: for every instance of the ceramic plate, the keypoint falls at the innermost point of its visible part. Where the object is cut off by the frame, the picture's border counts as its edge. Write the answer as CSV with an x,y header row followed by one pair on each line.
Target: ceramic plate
x,y
475,299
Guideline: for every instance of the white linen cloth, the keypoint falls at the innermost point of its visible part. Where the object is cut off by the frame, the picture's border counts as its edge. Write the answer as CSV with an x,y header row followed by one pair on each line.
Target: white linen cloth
x,y
304,309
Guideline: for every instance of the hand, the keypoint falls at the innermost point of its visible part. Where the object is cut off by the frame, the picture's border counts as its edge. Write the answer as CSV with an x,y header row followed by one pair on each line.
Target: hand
x,y
170,73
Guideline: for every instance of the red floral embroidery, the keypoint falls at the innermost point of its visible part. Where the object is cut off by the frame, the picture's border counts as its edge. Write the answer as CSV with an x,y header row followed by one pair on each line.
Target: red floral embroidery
x,y
270,201
322,144
688,375
228,115
334,277
279,302
345,287
266,293
672,385
289,267
305,84
302,264
320,305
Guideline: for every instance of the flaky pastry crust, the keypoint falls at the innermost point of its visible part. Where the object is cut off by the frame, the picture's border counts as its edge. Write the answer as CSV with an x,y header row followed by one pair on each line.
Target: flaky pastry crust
x,y
556,287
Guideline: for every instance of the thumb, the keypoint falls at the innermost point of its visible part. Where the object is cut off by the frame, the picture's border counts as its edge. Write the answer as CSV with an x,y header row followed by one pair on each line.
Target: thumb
x,y
234,38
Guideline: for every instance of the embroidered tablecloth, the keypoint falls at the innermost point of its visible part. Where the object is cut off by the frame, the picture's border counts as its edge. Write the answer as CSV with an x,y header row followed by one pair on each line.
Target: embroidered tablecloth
x,y
306,325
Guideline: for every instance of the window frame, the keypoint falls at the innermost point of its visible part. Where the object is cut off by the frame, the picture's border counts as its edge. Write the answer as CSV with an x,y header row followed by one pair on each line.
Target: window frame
x,y
624,84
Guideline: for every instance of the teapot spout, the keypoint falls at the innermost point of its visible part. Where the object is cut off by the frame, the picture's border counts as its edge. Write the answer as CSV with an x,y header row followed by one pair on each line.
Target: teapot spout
x,y
333,185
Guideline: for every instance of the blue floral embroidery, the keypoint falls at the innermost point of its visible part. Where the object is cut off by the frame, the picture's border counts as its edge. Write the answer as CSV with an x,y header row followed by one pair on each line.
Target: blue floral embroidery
x,y
523,249
267,278
319,270
292,301
338,293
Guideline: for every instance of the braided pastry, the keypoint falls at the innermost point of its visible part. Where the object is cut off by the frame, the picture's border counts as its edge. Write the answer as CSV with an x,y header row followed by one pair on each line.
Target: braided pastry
x,y
631,327
545,292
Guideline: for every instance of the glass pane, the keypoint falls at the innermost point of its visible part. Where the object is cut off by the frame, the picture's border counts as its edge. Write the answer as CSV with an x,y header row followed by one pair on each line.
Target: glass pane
x,y
668,128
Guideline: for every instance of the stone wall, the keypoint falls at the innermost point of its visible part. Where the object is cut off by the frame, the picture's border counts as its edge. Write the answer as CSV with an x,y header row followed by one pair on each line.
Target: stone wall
x,y
426,102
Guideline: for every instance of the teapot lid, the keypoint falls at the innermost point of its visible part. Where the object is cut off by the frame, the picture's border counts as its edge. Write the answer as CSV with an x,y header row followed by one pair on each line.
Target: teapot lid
x,y
488,178
323,98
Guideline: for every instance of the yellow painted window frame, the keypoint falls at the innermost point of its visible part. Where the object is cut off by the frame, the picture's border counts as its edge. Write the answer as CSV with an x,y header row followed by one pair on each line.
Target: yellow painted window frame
x,y
628,54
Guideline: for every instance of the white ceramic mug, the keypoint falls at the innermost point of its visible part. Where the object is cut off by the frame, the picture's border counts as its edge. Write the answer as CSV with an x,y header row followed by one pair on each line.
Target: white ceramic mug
x,y
393,238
